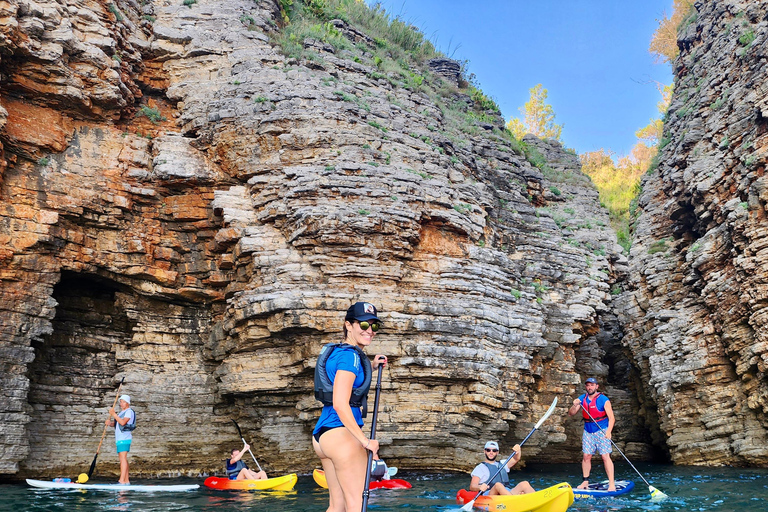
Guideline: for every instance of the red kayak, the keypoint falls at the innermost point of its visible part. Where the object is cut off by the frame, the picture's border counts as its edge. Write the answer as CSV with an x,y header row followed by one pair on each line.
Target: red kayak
x,y
392,483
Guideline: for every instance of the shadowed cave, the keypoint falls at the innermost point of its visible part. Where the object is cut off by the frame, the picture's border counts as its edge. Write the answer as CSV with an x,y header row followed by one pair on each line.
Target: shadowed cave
x,y
75,365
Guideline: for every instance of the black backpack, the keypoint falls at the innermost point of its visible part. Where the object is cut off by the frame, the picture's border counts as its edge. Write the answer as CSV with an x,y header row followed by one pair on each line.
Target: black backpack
x,y
129,427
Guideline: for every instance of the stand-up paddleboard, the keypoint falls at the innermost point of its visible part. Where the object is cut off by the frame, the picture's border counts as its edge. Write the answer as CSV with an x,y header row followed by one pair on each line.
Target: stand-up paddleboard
x,y
43,484
278,483
393,483
600,490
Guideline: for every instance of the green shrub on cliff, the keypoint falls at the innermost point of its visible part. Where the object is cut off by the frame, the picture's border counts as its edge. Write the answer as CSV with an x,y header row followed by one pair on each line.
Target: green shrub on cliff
x,y
150,113
394,35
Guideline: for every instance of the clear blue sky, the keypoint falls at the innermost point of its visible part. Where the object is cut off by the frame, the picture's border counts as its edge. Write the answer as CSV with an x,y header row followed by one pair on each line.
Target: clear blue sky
x,y
591,55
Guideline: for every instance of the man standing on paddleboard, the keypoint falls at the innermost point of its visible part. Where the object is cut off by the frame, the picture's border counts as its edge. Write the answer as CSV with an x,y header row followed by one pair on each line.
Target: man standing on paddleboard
x,y
124,423
597,414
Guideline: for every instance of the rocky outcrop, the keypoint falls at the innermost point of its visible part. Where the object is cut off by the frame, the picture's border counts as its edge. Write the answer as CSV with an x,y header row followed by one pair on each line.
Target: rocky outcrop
x,y
695,313
196,214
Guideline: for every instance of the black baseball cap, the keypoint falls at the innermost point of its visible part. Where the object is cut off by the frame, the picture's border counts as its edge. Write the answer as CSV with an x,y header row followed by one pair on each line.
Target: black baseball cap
x,y
362,311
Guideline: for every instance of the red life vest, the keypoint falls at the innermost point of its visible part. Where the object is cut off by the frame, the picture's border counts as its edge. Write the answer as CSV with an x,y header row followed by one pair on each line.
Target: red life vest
x,y
592,408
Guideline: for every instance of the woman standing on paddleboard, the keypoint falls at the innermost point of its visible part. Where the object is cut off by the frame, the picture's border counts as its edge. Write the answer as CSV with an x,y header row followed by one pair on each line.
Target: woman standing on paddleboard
x,y
124,423
342,380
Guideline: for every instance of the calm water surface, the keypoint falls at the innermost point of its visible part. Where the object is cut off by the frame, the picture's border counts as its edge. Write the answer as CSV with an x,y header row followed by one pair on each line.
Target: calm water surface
x,y
690,489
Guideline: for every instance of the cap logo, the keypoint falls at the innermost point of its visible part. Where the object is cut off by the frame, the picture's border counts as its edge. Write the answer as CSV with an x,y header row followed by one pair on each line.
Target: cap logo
x,y
368,308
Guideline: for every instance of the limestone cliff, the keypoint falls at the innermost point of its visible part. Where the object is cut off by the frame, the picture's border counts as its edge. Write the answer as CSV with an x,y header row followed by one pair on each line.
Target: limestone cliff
x,y
184,206
695,316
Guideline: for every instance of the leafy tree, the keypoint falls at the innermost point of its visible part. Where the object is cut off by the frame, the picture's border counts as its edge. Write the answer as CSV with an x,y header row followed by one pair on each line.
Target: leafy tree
x,y
650,135
664,40
538,117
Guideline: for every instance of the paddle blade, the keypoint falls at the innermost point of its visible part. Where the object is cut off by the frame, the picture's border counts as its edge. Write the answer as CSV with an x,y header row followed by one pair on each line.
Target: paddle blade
x,y
82,478
93,465
468,506
238,430
657,495
547,414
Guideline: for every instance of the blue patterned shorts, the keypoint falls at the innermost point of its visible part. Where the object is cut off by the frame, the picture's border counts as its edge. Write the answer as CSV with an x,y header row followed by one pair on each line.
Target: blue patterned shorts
x,y
595,443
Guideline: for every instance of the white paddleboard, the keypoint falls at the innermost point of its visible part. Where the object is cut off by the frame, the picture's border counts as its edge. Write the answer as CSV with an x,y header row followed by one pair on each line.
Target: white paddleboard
x,y
43,484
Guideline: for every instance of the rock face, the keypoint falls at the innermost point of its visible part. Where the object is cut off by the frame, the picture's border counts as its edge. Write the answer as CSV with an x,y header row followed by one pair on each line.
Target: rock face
x,y
186,207
695,316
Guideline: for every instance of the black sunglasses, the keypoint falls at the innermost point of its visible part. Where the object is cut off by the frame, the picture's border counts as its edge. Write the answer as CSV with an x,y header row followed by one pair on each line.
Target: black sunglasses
x,y
491,450
365,325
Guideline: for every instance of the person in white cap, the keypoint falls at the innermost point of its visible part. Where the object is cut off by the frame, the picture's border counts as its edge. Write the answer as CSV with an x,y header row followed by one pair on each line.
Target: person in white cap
x,y
124,423
483,478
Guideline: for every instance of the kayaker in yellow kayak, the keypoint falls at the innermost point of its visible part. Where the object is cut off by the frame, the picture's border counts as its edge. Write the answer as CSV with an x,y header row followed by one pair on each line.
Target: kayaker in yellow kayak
x,y
499,485
238,470
342,380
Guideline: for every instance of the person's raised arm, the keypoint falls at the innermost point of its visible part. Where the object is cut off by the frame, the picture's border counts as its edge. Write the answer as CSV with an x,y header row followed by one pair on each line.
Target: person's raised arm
x,y
514,460
575,407
118,419
240,454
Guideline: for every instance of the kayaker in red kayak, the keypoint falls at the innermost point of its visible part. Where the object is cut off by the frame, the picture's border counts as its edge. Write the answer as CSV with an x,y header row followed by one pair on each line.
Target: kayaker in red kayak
x,y
499,485
238,470
380,471
342,380
593,440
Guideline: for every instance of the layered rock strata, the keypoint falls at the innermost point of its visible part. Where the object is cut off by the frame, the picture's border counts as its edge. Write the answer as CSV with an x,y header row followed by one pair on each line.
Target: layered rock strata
x,y
695,316
195,211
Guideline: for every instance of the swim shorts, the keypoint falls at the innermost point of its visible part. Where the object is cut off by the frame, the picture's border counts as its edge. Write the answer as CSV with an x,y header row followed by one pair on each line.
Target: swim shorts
x,y
595,443
123,446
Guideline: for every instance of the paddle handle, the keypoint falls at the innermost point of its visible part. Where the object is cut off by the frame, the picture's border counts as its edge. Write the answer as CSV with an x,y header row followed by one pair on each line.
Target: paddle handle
x,y
252,456
366,490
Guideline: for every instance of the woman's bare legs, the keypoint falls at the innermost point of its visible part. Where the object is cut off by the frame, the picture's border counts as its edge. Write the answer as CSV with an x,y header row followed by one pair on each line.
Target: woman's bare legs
x,y
344,463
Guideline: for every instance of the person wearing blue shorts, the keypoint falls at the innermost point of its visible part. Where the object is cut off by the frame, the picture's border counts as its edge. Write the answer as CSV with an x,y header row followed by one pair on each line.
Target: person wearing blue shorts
x,y
124,423
597,413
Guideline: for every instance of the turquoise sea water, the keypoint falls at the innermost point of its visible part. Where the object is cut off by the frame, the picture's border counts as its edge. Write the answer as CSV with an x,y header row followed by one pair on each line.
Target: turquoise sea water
x,y
690,489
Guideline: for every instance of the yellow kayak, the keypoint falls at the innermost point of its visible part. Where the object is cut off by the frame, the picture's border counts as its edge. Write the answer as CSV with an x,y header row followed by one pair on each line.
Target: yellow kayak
x,y
279,483
392,483
552,499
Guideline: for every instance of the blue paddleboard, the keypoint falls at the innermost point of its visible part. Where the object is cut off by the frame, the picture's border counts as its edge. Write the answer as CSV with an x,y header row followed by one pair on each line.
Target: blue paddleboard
x,y
600,490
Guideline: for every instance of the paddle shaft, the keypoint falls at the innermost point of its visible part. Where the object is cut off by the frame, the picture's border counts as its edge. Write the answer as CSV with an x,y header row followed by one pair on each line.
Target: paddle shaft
x,y
614,444
366,489
244,443
93,464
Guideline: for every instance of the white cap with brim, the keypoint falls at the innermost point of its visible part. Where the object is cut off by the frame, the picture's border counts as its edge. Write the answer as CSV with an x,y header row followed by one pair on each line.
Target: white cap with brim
x,y
126,398
492,444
